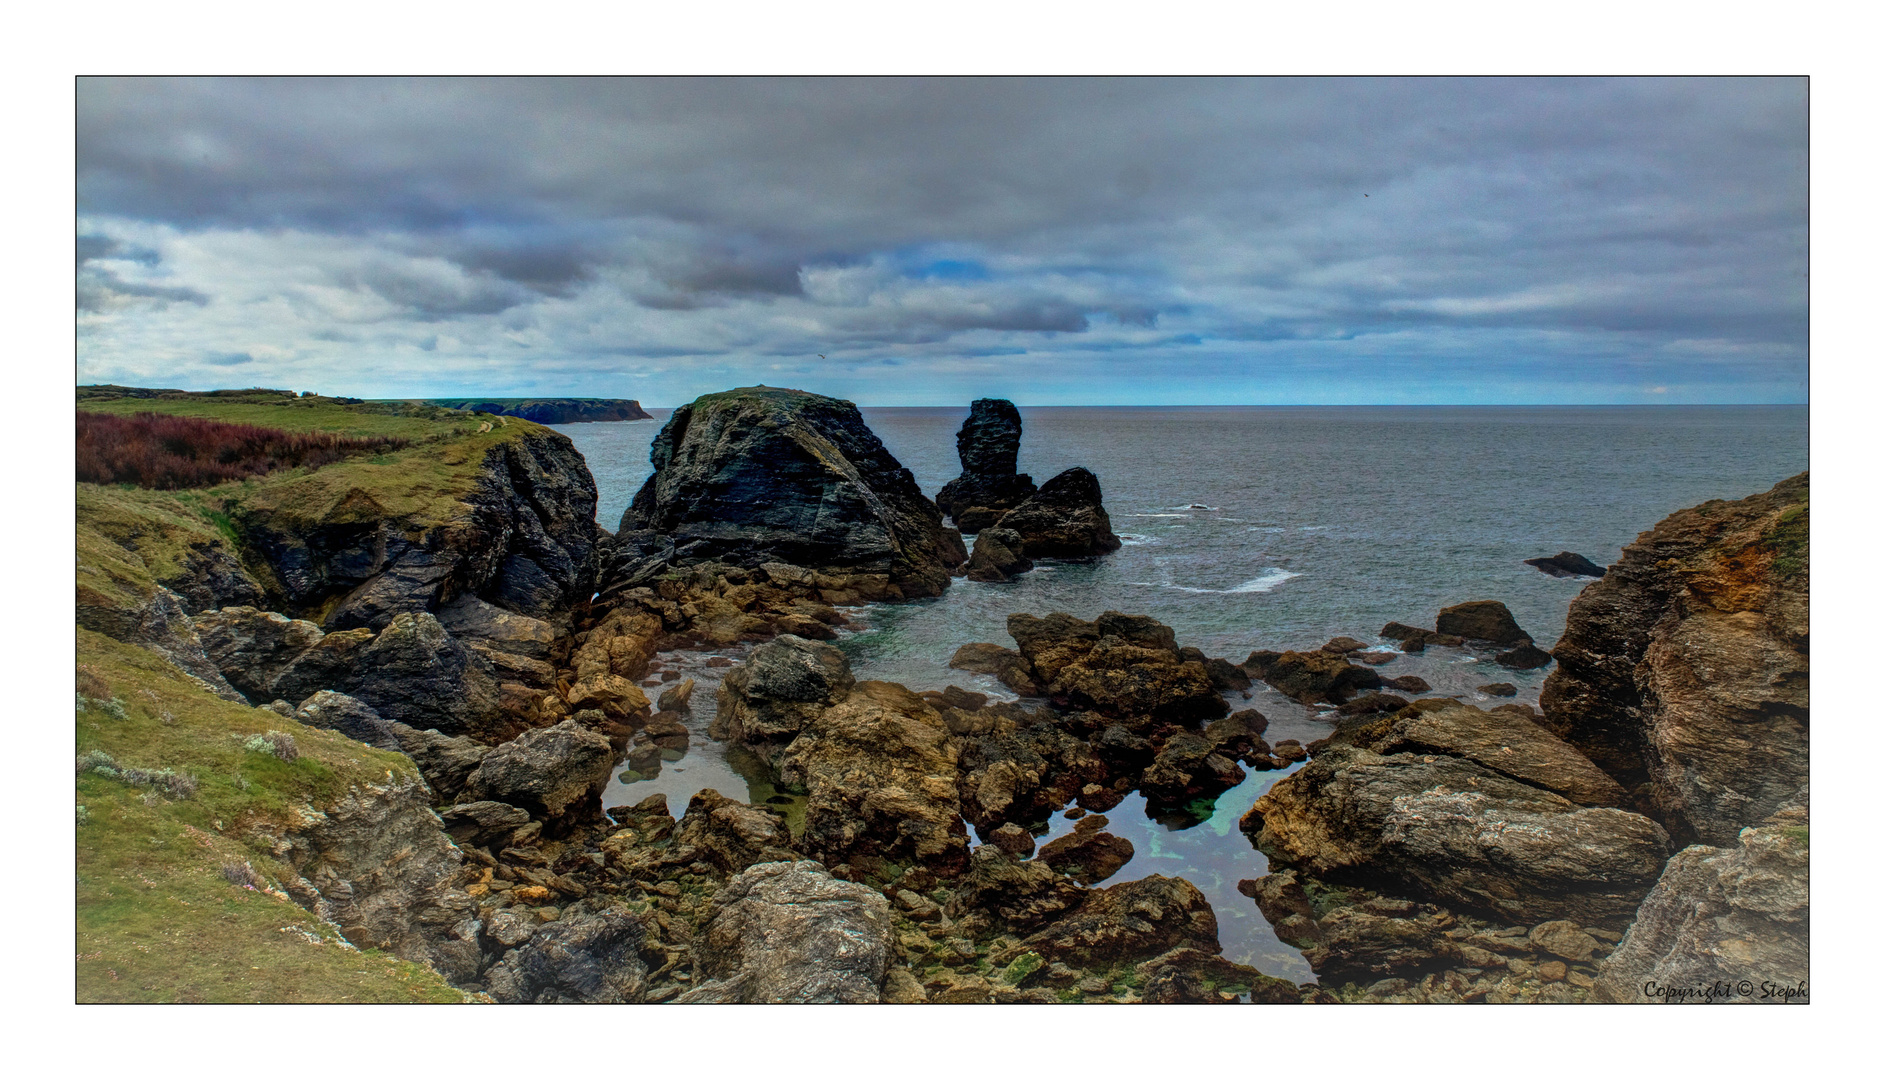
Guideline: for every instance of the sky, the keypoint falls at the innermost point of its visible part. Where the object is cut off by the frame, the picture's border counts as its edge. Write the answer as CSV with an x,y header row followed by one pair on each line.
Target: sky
x,y
926,242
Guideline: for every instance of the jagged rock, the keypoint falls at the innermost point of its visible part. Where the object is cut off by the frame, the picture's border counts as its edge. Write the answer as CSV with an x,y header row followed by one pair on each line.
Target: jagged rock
x,y
676,698
879,770
988,446
988,658
1567,564
613,695
1087,854
1192,977
445,761
788,932
1187,767
1013,839
479,823
761,474
1128,922
1122,666
1480,620
1373,704
1411,684
557,773
732,835
589,957
1413,639
1021,895
1282,900
1311,677
784,685
1023,771
415,673
1686,667
350,716
1064,520
1460,833
1728,916
1501,741
1524,658
1500,689
997,556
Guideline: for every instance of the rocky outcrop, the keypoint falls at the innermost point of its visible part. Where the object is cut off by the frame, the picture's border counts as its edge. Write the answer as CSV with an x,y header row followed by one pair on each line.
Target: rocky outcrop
x,y
1123,666
782,687
1567,564
587,956
1132,921
556,773
1312,677
1723,923
1481,620
1088,854
517,528
988,445
762,475
790,933
413,671
1683,673
1064,520
1453,830
997,556
1502,741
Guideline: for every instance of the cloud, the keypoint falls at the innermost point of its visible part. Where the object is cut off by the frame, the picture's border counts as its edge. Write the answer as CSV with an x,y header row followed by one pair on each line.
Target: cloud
x,y
474,235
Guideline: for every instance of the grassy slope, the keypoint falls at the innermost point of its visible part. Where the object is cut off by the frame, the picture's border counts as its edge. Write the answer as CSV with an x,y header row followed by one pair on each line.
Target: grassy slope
x,y
157,920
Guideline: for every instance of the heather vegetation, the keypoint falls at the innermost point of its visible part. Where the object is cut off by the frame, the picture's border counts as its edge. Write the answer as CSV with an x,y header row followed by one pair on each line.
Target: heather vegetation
x,y
172,452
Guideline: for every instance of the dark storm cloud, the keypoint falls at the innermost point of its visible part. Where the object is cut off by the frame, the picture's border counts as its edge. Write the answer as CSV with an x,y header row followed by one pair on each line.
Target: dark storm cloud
x,y
761,217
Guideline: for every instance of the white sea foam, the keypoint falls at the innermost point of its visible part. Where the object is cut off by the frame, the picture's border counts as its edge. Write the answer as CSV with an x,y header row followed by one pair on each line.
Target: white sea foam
x,y
1156,515
1264,582
1134,539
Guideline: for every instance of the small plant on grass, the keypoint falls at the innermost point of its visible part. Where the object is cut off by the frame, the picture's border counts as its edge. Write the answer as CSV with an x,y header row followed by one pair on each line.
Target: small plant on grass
x,y
85,816
112,707
241,873
279,743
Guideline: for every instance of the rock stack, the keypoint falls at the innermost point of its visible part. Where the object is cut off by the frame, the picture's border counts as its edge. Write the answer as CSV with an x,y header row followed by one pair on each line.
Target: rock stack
x,y
989,446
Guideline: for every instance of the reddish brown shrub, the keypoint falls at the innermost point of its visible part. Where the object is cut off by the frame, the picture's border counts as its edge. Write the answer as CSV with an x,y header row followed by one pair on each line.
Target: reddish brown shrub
x,y
182,452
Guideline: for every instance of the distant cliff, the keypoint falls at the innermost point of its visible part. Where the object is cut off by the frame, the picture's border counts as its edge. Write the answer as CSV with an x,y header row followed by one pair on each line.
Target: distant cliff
x,y
551,410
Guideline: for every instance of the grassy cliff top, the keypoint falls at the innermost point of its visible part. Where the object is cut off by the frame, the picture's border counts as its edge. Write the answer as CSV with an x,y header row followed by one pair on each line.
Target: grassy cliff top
x,y
176,808
283,410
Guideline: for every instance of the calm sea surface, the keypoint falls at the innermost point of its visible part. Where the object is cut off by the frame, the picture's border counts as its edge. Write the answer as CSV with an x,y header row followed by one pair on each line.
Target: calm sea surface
x,y
1276,528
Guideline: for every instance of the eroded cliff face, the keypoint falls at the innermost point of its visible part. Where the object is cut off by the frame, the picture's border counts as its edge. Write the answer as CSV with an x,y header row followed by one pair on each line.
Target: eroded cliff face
x,y
1683,673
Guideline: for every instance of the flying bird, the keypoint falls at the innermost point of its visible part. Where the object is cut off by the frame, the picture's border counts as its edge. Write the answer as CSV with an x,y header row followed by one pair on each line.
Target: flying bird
x,y
821,356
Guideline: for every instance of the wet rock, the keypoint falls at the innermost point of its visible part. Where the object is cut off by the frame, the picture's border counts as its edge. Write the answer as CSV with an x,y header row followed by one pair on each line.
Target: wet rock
x,y
1499,689
1722,915
1408,684
1376,659
1122,666
1567,564
1087,854
1281,899
788,932
785,683
1024,773
556,773
1342,646
761,474
676,698
1130,922
1013,839
997,556
1373,704
1686,667
1010,667
880,772
1021,895
1481,620
731,835
1311,677
1524,658
901,988
1064,520
589,957
1187,767
612,695
1460,833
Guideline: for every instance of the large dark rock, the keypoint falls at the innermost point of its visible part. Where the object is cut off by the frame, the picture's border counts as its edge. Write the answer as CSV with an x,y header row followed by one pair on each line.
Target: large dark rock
x,y
790,933
1088,854
1481,620
1021,896
997,556
1130,922
1501,741
556,773
1064,520
350,716
1567,564
1456,831
785,684
588,957
1311,677
760,475
1722,917
1684,671
988,446
1121,666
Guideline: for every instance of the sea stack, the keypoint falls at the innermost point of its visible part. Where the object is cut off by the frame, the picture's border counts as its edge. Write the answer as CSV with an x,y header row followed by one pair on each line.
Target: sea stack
x,y
764,475
988,445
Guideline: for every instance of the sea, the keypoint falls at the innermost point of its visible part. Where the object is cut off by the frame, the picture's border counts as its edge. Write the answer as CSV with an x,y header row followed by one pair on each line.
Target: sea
x,y
1266,528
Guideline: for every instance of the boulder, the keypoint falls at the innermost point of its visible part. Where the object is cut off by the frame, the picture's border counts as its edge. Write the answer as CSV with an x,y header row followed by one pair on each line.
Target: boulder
x,y
1064,520
414,672
786,683
788,932
1722,917
1567,564
1686,667
988,446
1130,923
348,715
1524,658
1122,666
556,773
988,658
1481,620
1024,769
997,556
1311,677
1499,689
585,957
879,772
1020,896
1013,839
1087,854
1460,833
731,835
1504,742
445,761
762,474
1283,901
1188,767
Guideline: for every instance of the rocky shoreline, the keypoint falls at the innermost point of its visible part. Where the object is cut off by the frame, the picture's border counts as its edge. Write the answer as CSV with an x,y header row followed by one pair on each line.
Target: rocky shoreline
x,y
506,645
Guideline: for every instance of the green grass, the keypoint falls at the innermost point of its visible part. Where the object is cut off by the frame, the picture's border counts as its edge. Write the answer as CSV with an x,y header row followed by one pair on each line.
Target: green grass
x,y
156,918
296,414
1789,541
